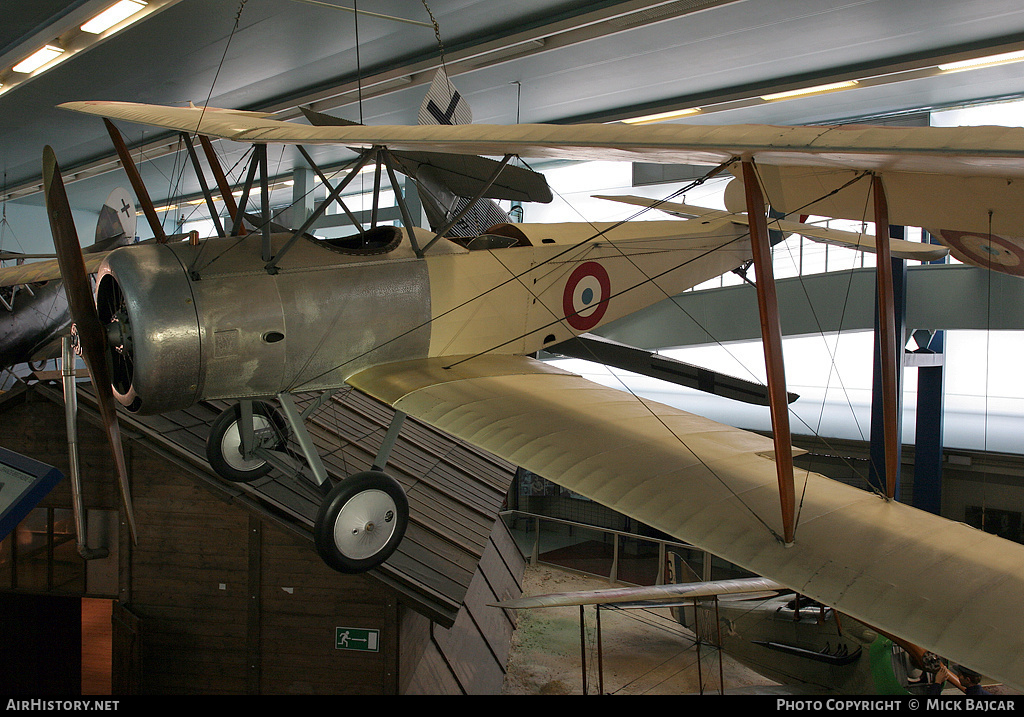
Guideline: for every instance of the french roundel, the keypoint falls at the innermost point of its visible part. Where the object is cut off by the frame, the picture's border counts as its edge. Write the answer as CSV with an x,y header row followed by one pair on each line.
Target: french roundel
x,y
586,295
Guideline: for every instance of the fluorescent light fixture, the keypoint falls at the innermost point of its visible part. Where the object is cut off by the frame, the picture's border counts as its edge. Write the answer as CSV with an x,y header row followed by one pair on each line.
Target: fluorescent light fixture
x,y
112,16
989,61
662,116
806,91
38,58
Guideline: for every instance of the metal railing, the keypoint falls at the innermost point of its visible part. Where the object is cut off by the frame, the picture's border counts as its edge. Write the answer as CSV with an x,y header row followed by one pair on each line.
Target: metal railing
x,y
620,556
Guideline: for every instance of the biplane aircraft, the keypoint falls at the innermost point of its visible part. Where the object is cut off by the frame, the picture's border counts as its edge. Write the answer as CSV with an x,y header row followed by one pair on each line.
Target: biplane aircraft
x,y
444,331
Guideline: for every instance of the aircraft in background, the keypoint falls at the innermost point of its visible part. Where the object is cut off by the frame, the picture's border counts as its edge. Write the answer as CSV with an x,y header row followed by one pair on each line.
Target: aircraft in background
x,y
34,312
775,632
444,331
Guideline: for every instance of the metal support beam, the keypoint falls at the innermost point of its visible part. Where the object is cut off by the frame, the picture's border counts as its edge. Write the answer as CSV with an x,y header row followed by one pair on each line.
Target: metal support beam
x,y
271,265
327,183
403,206
67,367
929,433
250,176
771,336
261,160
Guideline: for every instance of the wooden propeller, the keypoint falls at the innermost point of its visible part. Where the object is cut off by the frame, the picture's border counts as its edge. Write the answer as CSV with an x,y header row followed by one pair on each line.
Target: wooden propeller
x,y
92,341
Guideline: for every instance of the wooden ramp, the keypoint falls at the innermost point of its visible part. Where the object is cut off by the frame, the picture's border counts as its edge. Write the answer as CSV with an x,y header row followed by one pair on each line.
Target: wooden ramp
x,y
455,491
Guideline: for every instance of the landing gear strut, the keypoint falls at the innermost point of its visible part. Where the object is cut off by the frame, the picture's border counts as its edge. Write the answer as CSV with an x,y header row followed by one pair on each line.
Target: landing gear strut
x,y
362,519
226,450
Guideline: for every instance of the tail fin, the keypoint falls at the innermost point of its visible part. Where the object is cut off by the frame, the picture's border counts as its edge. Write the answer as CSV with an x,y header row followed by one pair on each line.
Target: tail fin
x,y
116,223
443,103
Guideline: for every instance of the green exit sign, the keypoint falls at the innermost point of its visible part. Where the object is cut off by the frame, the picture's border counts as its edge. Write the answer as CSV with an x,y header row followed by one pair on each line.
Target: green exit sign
x,y
356,638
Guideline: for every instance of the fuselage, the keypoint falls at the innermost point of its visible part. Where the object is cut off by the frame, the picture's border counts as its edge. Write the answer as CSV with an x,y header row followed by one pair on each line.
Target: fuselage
x,y
30,330
208,321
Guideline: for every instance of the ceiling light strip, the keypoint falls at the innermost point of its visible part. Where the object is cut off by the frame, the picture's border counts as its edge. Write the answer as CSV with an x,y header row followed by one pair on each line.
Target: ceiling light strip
x,y
1003,58
113,15
662,116
808,91
40,58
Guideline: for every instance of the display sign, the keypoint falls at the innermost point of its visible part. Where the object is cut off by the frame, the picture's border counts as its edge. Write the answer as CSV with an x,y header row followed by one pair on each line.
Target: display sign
x,y
357,638
23,483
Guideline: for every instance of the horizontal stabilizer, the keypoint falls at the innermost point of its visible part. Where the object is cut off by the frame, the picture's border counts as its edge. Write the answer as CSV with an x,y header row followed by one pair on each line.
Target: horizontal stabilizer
x,y
463,175
676,209
466,175
648,363
319,119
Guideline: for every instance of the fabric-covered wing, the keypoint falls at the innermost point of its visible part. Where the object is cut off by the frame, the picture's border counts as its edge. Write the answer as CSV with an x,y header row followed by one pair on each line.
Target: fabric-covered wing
x,y
962,179
973,151
652,595
43,270
941,585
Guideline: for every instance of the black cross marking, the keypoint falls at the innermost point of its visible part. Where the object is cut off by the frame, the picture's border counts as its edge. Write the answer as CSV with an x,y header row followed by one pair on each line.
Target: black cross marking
x,y
446,116
125,206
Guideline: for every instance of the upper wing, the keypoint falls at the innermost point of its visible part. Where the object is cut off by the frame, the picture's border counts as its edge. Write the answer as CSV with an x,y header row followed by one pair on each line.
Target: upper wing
x,y
898,248
944,586
44,270
974,151
960,179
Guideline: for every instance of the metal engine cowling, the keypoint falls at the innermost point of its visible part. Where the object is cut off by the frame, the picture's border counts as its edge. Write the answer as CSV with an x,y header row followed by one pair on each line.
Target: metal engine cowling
x,y
187,323
144,299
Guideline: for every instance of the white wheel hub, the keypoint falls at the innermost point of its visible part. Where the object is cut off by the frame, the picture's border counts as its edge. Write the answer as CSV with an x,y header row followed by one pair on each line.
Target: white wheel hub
x,y
231,444
365,524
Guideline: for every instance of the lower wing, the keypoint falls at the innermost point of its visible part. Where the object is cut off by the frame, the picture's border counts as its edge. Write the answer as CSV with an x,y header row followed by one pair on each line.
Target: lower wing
x,y
943,586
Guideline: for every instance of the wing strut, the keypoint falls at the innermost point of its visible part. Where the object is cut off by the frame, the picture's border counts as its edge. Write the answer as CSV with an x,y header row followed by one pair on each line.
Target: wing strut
x,y
333,195
887,325
141,193
771,336
483,190
186,139
218,175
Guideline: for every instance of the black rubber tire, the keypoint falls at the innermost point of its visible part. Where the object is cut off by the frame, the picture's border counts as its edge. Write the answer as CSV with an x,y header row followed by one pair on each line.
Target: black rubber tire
x,y
224,437
357,509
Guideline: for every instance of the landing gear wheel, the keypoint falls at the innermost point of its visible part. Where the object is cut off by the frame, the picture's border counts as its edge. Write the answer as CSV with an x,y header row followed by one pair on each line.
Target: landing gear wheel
x,y
361,522
224,446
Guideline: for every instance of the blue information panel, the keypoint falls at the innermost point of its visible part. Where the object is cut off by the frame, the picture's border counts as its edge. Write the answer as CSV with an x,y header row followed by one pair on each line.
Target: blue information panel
x,y
23,483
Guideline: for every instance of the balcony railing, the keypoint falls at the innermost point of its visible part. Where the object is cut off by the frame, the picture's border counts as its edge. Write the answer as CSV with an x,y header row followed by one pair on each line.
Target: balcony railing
x,y
619,556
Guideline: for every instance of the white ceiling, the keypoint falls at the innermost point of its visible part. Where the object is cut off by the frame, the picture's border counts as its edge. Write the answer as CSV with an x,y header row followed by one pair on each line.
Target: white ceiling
x,y
527,61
